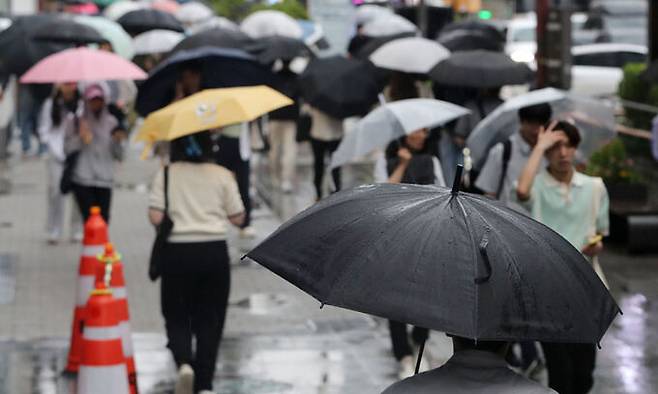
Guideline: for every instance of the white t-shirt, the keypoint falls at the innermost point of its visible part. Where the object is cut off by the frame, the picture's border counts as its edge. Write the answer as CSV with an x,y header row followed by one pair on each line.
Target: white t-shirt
x,y
201,198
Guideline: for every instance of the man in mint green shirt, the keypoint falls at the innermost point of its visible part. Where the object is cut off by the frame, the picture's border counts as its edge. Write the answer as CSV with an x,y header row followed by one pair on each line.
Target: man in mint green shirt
x,y
575,206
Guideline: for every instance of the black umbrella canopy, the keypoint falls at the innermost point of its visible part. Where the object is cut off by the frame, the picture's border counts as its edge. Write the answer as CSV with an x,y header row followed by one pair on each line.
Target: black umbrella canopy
x,y
220,68
480,69
469,40
140,21
472,25
215,37
18,50
67,31
272,48
339,86
455,262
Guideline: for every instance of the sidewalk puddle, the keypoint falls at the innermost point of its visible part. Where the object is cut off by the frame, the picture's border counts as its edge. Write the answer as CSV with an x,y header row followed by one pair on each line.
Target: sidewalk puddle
x,y
263,303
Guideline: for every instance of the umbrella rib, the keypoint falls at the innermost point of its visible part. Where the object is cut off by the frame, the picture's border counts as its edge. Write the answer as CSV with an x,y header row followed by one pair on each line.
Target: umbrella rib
x,y
475,259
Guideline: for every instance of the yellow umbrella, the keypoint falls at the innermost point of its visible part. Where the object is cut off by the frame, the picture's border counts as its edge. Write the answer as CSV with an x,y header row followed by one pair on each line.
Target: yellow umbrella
x,y
210,109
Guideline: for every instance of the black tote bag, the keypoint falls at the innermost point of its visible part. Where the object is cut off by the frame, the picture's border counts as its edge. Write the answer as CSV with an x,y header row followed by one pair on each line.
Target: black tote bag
x,y
162,234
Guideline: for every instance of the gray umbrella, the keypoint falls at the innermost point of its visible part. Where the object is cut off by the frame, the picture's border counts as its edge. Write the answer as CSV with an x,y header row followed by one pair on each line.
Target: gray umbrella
x,y
455,262
594,119
414,55
391,121
387,25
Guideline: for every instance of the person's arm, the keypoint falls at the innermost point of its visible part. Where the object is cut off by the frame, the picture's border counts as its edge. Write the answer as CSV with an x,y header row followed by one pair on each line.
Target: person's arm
x,y
232,202
595,246
237,220
398,173
489,178
438,172
545,141
157,199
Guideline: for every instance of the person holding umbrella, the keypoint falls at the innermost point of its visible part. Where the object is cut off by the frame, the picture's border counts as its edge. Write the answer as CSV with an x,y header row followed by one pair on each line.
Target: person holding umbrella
x,y
575,206
64,101
203,201
475,367
326,134
97,140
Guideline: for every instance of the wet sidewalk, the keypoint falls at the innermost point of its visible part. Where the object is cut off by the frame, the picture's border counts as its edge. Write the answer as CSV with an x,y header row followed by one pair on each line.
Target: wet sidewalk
x,y
277,340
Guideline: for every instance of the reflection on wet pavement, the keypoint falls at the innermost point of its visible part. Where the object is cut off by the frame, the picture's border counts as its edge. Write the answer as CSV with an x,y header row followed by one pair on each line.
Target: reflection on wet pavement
x,y
7,279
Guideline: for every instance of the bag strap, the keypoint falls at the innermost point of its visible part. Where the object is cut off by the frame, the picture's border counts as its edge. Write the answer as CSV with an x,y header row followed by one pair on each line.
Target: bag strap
x,y
166,188
507,153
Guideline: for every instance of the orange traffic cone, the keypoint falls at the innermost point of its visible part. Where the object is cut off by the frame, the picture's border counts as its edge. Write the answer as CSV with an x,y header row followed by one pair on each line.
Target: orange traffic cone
x,y
94,241
110,274
102,365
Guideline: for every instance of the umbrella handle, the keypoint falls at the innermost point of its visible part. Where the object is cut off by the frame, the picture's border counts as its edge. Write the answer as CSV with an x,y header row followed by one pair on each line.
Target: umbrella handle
x,y
421,349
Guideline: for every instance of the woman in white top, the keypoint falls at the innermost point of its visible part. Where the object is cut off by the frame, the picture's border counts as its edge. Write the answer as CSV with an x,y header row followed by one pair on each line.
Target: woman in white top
x,y
326,134
203,200
64,101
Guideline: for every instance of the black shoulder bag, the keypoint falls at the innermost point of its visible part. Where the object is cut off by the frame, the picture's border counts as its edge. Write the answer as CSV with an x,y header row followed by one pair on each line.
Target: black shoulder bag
x,y
162,235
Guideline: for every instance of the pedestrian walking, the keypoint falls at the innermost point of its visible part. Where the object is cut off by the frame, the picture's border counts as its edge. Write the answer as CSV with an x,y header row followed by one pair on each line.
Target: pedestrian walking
x,y
65,101
408,160
483,102
326,134
506,160
475,367
30,99
234,153
283,132
96,140
575,206
203,200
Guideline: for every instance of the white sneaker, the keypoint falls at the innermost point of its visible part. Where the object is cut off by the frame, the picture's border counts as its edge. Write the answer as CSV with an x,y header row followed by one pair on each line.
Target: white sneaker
x,y
406,367
248,232
185,381
286,186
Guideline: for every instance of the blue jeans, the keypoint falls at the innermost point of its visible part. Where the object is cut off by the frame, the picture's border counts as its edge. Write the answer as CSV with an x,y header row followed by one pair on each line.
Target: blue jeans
x,y
27,119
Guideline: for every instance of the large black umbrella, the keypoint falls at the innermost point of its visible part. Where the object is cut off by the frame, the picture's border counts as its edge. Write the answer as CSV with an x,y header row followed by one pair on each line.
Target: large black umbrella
x,y
220,68
215,37
455,262
139,21
480,69
18,50
339,86
269,49
469,40
67,31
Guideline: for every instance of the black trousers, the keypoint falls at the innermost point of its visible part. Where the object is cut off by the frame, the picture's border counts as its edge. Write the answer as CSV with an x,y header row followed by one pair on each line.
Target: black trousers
x,y
90,196
570,367
322,149
229,157
194,294
400,338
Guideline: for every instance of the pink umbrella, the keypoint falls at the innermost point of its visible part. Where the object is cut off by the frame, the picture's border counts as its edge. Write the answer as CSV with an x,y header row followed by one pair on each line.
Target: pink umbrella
x,y
169,6
82,9
82,64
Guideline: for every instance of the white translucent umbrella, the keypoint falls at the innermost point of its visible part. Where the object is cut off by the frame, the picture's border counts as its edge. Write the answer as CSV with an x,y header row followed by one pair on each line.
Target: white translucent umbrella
x,y
193,12
271,23
392,121
411,55
117,9
593,118
387,25
214,22
368,13
156,41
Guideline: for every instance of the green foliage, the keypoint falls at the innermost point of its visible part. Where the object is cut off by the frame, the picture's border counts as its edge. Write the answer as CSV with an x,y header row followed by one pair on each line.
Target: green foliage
x,y
291,7
238,9
233,9
634,88
613,164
